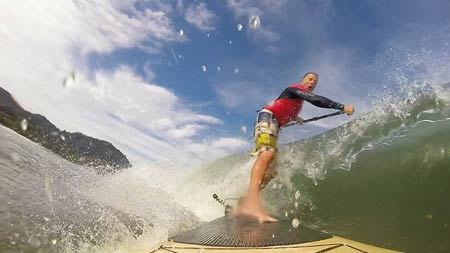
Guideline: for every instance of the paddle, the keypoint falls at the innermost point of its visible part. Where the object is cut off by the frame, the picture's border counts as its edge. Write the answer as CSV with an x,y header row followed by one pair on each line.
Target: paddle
x,y
311,119
315,118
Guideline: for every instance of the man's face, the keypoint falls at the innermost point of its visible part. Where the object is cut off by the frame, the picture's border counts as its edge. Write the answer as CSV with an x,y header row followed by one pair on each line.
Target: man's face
x,y
310,82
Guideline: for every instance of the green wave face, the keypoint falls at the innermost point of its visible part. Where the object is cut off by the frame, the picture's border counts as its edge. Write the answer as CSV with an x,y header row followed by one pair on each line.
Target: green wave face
x,y
382,179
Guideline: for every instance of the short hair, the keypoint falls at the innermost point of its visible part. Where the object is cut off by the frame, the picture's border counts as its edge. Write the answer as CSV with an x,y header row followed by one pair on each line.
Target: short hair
x,y
313,73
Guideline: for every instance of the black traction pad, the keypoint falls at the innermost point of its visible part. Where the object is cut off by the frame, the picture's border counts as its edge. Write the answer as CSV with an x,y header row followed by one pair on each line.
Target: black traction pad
x,y
229,232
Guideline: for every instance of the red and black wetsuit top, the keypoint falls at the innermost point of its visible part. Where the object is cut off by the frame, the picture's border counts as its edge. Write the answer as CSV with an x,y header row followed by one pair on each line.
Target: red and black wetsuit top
x,y
289,104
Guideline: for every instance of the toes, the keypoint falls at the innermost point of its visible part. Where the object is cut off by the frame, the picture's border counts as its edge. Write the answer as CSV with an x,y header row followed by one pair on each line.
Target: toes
x,y
260,216
268,218
272,220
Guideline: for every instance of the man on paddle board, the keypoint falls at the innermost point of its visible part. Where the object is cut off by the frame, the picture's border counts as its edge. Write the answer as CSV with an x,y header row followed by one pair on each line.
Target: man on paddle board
x,y
268,122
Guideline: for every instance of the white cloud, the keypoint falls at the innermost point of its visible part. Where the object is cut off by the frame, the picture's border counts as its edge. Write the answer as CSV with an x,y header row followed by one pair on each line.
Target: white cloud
x,y
246,8
243,8
241,94
149,74
220,147
43,42
265,35
185,131
121,103
201,17
229,143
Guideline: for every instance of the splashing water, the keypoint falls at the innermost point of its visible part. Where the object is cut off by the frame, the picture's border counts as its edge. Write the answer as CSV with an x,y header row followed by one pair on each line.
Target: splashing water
x,y
52,205
295,223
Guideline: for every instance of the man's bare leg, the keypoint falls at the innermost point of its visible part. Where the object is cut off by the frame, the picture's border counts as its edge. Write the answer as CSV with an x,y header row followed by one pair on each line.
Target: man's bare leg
x,y
252,204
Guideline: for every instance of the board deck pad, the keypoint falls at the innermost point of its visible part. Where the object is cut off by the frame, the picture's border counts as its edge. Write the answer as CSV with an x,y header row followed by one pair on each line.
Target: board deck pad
x,y
230,232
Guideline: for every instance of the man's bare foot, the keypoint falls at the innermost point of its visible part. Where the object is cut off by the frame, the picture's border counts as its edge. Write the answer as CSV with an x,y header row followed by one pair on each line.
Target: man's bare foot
x,y
252,212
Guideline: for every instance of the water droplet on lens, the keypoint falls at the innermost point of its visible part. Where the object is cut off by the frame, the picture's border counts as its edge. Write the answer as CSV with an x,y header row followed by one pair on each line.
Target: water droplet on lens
x,y
24,125
295,222
254,22
243,129
239,27
181,32
69,81
204,68
297,194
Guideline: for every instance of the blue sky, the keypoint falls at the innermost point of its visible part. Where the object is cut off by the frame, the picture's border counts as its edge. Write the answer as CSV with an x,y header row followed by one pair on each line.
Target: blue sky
x,y
139,81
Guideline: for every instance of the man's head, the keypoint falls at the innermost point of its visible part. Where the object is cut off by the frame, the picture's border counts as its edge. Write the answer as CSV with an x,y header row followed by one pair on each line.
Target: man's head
x,y
310,80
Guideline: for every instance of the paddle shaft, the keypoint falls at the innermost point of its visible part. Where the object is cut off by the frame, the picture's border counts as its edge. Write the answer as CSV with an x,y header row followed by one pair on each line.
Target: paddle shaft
x,y
316,118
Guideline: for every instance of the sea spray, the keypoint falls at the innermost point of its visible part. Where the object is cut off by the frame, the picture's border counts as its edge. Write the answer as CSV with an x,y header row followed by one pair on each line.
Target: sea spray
x,y
51,205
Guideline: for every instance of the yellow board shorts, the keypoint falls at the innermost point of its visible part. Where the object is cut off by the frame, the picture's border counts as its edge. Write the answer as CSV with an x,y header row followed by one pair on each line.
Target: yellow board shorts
x,y
263,142
265,132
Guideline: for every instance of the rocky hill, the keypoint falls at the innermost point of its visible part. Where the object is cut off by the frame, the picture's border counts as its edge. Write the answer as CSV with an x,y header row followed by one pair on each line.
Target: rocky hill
x,y
75,147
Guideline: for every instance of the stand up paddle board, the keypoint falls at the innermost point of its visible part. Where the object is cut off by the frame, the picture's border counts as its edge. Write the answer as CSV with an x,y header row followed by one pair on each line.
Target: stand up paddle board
x,y
228,234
